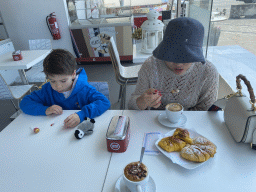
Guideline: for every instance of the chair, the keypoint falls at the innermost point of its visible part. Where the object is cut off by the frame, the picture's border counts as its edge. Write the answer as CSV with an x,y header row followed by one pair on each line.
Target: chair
x,y
13,92
35,74
124,75
102,87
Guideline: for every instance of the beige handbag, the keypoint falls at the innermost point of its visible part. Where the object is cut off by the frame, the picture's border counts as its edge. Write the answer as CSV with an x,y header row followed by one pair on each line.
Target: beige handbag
x,y
240,115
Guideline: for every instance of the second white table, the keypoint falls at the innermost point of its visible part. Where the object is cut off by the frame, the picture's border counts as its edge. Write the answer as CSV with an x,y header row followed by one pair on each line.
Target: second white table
x,y
30,58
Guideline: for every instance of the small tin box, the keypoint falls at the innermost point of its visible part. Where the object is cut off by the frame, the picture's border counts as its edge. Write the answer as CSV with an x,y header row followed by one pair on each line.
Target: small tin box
x,y
17,55
118,134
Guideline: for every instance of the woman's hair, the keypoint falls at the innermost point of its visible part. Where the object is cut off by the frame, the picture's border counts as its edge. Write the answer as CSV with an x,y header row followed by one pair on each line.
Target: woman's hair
x,y
59,62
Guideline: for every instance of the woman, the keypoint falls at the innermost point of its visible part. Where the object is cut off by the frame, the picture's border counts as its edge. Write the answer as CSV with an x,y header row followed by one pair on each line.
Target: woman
x,y
177,71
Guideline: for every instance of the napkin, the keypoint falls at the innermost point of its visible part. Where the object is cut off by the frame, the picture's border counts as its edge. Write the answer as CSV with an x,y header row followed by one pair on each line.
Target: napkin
x,y
149,141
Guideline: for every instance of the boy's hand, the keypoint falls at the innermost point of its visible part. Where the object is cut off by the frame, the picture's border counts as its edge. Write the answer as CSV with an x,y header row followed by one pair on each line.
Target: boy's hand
x,y
72,121
54,109
150,98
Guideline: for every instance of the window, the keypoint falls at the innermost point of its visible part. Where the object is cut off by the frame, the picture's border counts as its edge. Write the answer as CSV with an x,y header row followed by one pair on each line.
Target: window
x,y
93,9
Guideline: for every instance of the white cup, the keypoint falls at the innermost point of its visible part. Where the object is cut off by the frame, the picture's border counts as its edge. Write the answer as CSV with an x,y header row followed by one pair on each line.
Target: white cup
x,y
173,112
135,186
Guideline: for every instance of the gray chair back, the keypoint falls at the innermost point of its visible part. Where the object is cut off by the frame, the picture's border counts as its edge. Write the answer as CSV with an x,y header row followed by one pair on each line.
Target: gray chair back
x,y
5,92
102,87
39,44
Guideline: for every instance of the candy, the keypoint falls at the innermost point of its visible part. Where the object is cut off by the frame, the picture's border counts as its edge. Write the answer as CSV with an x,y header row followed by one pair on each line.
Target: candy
x,y
36,130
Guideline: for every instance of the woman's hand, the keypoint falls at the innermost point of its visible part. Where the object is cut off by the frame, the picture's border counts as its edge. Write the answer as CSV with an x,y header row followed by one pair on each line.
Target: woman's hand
x,y
150,98
72,121
54,109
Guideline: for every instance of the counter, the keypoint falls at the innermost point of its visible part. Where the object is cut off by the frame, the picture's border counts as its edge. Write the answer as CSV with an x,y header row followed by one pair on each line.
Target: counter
x,y
90,38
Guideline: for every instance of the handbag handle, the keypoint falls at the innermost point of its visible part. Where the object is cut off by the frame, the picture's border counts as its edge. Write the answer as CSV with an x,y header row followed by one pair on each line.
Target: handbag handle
x,y
249,87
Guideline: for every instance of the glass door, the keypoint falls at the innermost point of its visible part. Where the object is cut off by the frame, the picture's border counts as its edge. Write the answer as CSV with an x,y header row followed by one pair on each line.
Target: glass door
x,y
201,10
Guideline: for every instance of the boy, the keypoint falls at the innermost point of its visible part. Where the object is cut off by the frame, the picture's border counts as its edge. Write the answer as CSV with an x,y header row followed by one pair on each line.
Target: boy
x,y
68,89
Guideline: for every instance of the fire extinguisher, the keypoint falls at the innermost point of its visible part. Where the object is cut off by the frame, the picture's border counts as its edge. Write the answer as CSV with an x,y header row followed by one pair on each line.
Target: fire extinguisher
x,y
53,26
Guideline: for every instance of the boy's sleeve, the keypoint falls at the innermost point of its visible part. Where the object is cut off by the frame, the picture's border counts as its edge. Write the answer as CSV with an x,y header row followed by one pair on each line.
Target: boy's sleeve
x,y
33,104
93,104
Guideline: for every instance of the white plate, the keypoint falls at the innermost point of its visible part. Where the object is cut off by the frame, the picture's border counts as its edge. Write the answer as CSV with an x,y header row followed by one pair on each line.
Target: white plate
x,y
175,156
120,186
164,121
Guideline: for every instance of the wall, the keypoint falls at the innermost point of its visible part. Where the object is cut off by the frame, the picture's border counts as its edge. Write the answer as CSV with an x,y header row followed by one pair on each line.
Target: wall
x,y
26,20
3,34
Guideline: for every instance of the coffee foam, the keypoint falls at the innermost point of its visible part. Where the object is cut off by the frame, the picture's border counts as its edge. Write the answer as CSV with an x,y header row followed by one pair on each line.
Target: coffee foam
x,y
135,173
174,107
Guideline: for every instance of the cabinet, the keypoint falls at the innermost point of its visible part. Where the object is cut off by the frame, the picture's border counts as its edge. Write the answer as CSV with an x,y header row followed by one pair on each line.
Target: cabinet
x,y
90,41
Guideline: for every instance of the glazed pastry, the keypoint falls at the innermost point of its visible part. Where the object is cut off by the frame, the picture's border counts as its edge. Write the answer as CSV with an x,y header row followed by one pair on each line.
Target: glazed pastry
x,y
199,151
183,134
172,143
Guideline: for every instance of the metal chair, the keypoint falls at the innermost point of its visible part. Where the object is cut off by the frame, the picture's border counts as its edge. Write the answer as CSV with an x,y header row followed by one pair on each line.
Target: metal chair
x,y
35,74
124,75
13,92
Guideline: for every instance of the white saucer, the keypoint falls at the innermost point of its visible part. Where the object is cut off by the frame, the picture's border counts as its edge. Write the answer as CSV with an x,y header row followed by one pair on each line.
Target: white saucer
x,y
120,186
164,121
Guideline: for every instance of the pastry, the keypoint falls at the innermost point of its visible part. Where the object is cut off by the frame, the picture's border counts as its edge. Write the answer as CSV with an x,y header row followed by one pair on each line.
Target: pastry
x,y
183,134
200,150
171,143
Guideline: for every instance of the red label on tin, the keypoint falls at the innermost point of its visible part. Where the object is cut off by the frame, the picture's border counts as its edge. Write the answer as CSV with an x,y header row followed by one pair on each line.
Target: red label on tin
x,y
115,146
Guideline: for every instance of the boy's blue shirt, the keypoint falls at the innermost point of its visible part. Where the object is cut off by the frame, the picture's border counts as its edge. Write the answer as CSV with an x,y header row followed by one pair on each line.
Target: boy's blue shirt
x,y
84,97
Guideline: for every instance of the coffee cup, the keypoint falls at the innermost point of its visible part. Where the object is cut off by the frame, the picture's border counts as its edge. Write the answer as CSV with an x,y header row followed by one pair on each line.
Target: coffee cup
x,y
135,177
173,112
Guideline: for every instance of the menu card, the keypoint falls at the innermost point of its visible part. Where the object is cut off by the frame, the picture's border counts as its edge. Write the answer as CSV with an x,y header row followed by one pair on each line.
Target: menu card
x,y
149,143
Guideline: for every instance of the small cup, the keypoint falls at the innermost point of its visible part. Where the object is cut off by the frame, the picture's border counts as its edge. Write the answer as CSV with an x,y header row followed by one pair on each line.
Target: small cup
x,y
173,112
135,186
17,55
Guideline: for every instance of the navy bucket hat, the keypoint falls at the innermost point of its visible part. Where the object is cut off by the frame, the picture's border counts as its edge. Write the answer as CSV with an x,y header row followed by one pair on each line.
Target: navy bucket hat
x,y
182,42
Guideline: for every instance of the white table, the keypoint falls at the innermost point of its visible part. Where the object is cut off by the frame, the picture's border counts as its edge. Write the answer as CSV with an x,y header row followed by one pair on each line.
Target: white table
x,y
233,167
30,58
53,159
218,18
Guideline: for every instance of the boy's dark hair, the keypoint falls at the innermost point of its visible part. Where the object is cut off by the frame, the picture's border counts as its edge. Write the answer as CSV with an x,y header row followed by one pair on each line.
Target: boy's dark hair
x,y
59,62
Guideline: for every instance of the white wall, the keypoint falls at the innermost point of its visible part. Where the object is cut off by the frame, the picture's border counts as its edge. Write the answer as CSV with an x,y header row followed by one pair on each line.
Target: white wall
x,y
26,20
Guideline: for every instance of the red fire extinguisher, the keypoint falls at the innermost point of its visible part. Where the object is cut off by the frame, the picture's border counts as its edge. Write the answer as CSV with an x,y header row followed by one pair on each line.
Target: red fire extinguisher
x,y
53,26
